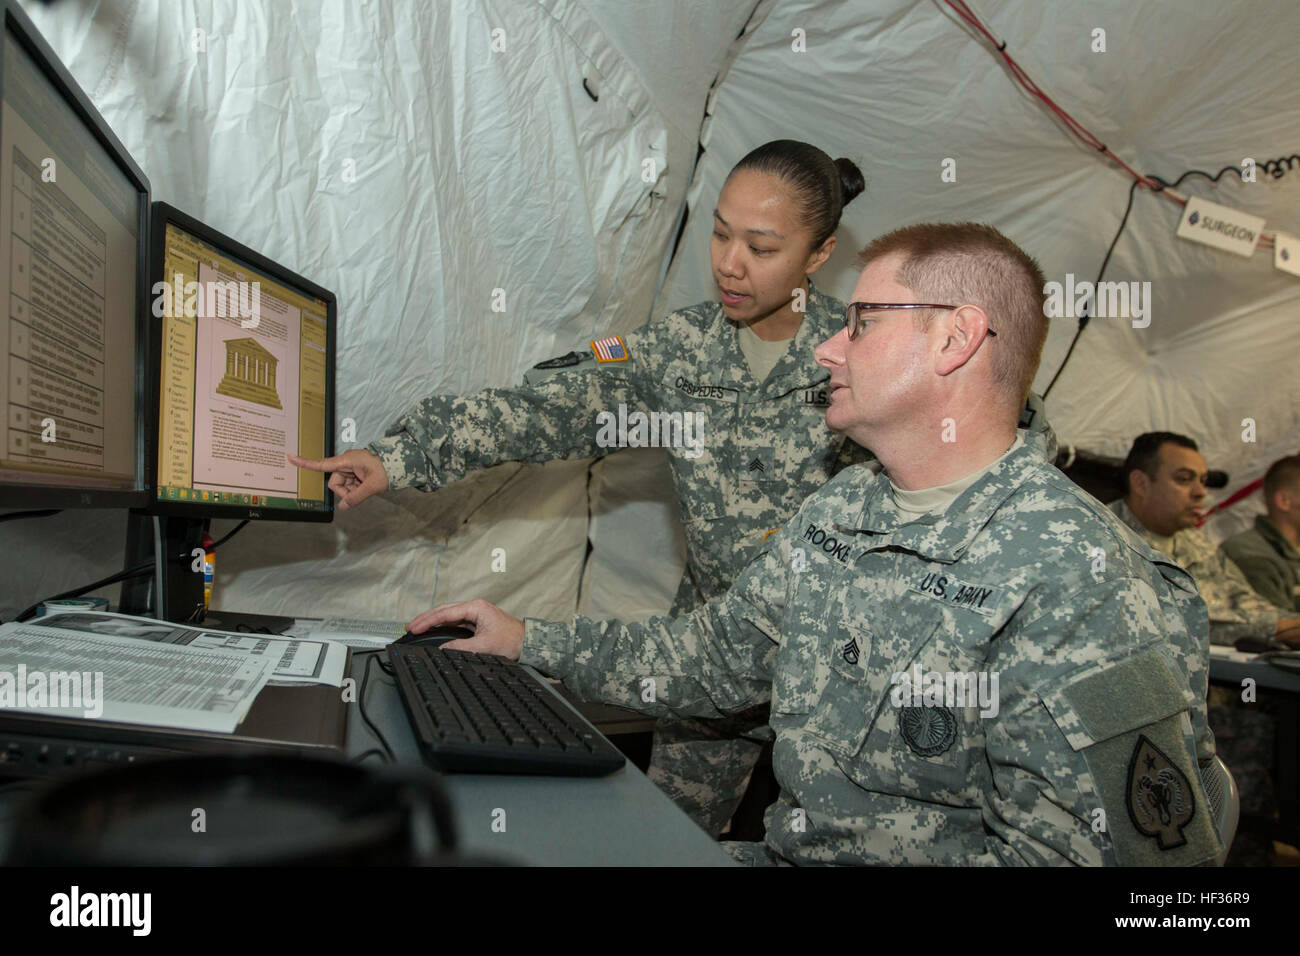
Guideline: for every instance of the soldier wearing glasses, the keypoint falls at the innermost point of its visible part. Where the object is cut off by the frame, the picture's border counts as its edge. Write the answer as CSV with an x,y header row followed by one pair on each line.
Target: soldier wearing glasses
x,y
878,618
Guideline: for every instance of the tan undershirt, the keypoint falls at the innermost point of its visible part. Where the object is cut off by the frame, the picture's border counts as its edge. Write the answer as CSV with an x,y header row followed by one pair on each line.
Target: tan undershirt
x,y
937,499
760,355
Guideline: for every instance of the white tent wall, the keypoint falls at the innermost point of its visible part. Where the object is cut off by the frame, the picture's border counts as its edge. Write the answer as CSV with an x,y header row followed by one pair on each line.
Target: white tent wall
x,y
390,153
472,171
900,86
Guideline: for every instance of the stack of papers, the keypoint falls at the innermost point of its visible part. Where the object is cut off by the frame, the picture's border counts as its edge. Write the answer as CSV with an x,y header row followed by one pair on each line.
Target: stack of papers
x,y
143,671
354,632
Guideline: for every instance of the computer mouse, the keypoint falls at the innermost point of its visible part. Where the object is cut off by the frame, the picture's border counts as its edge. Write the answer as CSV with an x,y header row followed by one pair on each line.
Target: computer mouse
x,y
435,636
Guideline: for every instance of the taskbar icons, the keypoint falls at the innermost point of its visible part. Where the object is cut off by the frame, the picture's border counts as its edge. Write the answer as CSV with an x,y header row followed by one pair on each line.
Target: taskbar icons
x,y
232,498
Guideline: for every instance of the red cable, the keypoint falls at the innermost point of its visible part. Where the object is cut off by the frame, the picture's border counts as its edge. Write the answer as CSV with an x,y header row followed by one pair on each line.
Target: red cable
x,y
1078,129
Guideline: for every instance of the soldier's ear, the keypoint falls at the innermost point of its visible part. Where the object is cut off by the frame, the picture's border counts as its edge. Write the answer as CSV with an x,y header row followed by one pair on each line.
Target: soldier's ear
x,y
817,258
1139,482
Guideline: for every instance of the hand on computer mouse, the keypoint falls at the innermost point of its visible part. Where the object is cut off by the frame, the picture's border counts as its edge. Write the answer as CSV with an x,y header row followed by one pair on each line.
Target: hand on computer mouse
x,y
495,631
355,475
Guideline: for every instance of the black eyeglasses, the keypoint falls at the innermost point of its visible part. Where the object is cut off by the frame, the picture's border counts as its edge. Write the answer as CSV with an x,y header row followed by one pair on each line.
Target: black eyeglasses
x,y
853,320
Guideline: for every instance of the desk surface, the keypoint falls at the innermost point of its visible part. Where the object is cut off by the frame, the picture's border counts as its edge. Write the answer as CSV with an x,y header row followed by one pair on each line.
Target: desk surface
x,y
1231,670
619,820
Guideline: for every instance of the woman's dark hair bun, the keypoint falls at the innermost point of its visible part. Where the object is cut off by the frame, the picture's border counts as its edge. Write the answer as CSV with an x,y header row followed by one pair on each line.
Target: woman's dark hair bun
x,y
822,186
852,182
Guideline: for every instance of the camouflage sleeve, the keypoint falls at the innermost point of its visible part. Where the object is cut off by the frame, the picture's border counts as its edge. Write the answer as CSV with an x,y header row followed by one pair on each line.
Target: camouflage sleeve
x,y
1236,611
713,662
445,437
1096,764
1188,649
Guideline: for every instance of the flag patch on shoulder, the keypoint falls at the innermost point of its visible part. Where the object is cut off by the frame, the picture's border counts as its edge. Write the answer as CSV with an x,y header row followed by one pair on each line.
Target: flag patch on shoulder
x,y
612,349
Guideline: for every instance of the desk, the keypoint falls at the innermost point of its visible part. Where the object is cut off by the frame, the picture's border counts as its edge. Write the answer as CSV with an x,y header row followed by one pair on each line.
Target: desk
x,y
619,820
1231,670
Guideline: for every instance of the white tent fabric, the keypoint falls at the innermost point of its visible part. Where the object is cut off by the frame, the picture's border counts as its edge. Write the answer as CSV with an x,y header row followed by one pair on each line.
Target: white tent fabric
x,y
900,87
414,161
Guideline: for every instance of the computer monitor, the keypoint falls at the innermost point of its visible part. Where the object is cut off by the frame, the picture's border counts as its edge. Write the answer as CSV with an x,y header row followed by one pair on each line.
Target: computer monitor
x,y
74,211
241,372
245,374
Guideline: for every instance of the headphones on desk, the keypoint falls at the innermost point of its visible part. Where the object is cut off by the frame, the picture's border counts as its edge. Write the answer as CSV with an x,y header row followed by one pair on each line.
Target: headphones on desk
x,y
233,810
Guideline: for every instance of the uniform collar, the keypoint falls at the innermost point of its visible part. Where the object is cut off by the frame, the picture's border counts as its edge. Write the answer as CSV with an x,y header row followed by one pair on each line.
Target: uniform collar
x,y
823,317
1126,514
944,537
797,368
1271,533
1186,546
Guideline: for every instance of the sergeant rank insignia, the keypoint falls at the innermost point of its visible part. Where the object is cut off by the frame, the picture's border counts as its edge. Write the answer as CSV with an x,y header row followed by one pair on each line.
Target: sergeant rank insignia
x,y
612,349
1160,801
929,731
851,650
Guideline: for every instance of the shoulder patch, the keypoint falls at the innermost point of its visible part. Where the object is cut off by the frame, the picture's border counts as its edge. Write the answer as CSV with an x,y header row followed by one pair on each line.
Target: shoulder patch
x,y
1161,801
612,349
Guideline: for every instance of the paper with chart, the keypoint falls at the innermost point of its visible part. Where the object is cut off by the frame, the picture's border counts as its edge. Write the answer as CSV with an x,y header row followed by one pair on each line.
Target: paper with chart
x,y
293,660
125,679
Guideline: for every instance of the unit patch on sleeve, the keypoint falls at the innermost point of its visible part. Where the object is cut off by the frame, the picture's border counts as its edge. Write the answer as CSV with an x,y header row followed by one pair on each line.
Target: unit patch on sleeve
x,y
1160,800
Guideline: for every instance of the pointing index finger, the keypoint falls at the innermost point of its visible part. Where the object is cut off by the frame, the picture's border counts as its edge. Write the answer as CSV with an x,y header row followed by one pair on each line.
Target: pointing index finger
x,y
311,464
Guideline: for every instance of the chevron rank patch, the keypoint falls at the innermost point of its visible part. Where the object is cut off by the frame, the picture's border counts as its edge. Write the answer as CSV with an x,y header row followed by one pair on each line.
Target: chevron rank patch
x,y
612,349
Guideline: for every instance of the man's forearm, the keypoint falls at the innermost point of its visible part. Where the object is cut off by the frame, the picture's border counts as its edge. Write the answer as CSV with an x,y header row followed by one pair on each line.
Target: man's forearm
x,y
663,666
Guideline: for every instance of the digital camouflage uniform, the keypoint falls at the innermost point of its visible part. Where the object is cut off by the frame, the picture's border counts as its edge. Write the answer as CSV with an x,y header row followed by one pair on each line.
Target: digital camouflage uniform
x,y
1091,756
1235,610
1244,731
766,449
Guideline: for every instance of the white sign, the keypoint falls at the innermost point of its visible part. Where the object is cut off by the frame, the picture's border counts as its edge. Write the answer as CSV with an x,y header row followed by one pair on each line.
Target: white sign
x,y
1286,253
1220,226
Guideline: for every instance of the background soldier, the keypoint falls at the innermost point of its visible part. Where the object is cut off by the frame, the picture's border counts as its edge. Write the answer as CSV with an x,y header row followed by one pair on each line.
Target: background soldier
x,y
1267,553
1166,487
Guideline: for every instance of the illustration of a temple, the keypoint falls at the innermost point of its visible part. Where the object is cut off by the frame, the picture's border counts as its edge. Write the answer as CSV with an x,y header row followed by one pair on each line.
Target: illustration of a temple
x,y
250,373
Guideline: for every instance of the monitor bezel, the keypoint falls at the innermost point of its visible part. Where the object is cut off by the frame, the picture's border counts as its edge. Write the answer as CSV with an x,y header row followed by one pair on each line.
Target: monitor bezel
x,y
29,495
164,214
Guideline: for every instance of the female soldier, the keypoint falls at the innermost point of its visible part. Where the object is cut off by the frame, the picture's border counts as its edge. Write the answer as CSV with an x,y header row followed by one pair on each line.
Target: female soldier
x,y
745,363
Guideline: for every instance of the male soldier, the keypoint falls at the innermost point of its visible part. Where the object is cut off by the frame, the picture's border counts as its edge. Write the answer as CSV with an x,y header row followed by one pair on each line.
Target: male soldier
x,y
768,447
1269,553
1165,477
873,613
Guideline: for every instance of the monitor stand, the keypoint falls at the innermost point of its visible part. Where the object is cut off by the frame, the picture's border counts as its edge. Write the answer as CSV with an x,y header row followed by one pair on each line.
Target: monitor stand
x,y
181,597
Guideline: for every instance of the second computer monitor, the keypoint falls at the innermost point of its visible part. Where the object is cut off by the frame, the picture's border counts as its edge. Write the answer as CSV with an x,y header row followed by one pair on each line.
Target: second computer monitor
x,y
245,375
74,211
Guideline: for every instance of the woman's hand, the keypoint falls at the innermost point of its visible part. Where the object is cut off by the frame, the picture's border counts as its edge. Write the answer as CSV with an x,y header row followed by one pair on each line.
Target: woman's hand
x,y
355,475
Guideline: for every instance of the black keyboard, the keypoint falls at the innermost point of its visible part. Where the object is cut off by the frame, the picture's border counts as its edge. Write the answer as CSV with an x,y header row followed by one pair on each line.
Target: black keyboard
x,y
476,713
